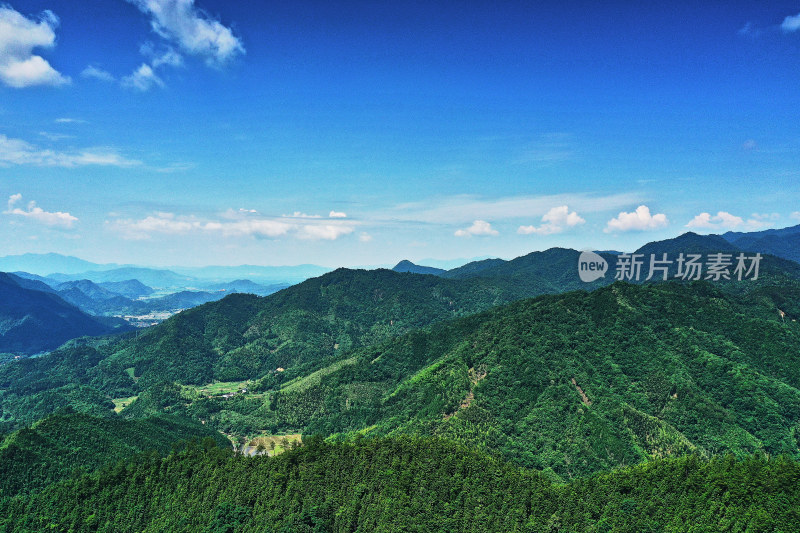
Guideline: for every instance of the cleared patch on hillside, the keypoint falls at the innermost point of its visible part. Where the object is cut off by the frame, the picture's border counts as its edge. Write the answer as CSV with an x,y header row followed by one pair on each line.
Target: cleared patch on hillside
x,y
122,403
475,375
271,445
302,383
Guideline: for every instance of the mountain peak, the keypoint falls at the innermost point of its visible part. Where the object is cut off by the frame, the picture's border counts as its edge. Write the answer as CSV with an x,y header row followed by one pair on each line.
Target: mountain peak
x,y
407,266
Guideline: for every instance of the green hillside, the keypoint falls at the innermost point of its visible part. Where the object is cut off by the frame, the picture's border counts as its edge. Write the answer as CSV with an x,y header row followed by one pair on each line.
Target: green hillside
x,y
409,485
569,384
55,447
302,329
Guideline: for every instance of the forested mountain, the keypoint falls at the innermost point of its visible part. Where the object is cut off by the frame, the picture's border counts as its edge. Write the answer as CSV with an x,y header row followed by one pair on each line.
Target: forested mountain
x,y
246,286
407,266
32,321
626,372
408,485
566,385
91,297
784,242
54,447
570,384
131,288
555,269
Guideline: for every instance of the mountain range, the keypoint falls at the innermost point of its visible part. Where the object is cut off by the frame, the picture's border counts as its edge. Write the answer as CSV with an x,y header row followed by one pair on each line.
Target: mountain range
x,y
33,320
517,364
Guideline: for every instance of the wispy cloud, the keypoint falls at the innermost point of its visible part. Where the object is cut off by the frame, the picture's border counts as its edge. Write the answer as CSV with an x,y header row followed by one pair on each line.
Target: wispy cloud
x,y
337,214
795,215
37,214
750,30
142,79
465,209
726,221
160,56
549,149
478,227
638,220
191,29
554,221
233,223
54,136
791,23
69,120
19,67
19,152
97,73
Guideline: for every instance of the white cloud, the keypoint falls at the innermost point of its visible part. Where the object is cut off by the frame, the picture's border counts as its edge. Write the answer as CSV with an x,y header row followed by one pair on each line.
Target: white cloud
x,y
365,237
479,227
142,79
97,73
37,214
791,23
298,214
726,221
639,220
193,30
232,223
555,221
764,217
19,67
19,152
337,214
68,120
55,136
329,232
749,145
464,208
166,56
795,215
722,220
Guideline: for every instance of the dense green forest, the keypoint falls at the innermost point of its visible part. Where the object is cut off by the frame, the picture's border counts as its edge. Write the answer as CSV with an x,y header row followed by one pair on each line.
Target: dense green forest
x,y
408,484
65,444
570,384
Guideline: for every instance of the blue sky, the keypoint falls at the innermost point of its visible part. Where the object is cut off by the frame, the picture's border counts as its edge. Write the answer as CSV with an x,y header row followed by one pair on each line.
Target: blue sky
x,y
167,132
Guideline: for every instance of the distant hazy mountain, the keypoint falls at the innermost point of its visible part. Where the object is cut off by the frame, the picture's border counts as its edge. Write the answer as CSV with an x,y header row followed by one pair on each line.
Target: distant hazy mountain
x,y
89,288
32,321
91,297
262,274
176,301
132,288
45,264
246,286
407,266
149,276
67,268
783,242
27,275
31,282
